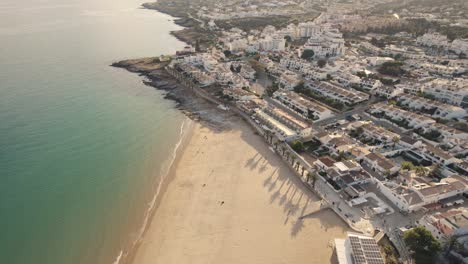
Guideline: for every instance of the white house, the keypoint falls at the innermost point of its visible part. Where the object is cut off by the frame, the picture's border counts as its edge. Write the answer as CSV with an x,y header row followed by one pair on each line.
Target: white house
x,y
381,164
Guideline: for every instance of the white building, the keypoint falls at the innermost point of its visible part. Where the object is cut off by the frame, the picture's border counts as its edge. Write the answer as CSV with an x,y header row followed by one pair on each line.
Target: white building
x,y
288,80
450,91
329,43
412,193
377,61
437,109
335,92
358,249
370,84
309,29
272,43
460,46
301,105
285,126
433,40
399,115
381,164
238,94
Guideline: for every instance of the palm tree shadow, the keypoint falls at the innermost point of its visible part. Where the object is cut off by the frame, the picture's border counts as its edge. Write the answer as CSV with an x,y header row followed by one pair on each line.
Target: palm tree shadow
x,y
297,227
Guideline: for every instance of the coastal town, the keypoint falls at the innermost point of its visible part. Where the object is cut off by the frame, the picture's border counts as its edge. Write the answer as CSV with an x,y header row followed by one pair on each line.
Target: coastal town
x,y
368,109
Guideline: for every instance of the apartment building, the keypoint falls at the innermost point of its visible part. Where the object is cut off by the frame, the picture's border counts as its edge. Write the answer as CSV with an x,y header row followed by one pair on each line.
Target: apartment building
x,y
335,92
411,193
285,126
432,107
327,43
396,114
302,106
450,91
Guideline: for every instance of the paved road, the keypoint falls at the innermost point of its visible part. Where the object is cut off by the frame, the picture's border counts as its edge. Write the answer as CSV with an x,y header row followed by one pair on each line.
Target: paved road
x,y
360,109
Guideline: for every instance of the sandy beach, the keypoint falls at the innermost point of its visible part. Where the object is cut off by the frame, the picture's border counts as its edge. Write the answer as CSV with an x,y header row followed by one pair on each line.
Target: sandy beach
x,y
231,199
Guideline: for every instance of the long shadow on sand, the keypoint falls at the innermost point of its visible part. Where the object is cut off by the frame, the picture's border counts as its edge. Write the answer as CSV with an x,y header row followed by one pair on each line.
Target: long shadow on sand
x,y
285,189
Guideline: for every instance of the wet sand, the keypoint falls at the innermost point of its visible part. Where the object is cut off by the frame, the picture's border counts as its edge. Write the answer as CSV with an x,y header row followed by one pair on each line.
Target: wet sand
x,y
232,200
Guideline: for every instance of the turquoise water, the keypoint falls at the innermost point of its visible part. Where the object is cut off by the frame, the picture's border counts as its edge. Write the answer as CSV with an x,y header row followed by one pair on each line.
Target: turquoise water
x,y
82,144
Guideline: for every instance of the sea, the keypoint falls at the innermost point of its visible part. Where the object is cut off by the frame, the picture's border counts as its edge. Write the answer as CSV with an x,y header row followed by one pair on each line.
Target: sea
x,y
83,146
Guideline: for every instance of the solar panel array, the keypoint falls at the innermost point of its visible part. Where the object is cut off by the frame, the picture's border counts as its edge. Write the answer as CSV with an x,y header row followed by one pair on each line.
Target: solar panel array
x,y
365,250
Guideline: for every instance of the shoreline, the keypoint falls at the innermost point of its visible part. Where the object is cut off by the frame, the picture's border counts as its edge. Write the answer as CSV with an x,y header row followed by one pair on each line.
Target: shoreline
x,y
195,108
235,196
126,256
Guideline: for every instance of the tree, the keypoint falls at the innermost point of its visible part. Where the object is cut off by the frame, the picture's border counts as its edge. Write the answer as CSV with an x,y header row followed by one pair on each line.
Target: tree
x,y
387,173
420,170
436,170
299,87
313,177
423,245
321,63
392,68
395,140
452,243
298,146
406,165
227,53
292,160
197,45
307,54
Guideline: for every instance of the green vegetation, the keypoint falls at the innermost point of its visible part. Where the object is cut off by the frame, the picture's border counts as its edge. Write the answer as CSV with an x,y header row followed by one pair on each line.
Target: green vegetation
x,y
392,68
423,245
432,135
270,90
227,53
420,26
312,145
309,93
407,165
250,23
463,126
307,54
390,254
321,63
356,133
297,146
378,42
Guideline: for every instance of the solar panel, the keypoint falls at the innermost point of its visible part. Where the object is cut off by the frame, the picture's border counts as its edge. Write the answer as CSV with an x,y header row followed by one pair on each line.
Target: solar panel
x,y
365,250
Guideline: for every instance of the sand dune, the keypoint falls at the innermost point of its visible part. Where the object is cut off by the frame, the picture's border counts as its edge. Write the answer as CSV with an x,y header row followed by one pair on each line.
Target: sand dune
x,y
232,200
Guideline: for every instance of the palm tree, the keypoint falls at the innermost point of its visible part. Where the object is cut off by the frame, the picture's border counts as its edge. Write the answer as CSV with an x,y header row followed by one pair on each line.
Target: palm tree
x,y
297,165
313,176
283,149
395,140
267,132
302,172
287,155
292,160
276,145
